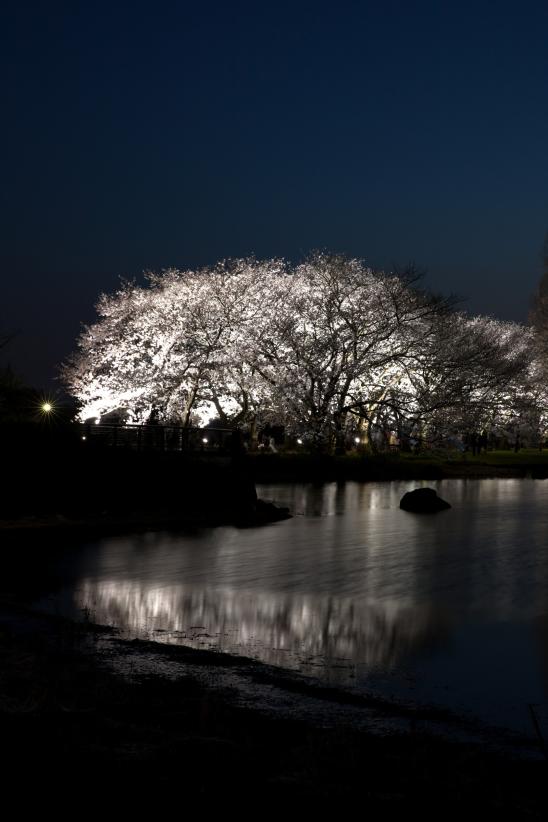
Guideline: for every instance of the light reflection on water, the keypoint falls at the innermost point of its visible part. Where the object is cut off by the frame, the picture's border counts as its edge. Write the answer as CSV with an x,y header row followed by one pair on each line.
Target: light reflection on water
x,y
293,630
449,607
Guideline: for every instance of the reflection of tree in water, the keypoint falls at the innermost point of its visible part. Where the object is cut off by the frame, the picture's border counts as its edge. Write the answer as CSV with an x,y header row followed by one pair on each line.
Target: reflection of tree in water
x,y
270,626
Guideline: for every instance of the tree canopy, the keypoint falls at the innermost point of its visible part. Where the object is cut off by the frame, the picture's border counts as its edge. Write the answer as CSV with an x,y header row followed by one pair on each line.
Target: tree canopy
x,y
328,348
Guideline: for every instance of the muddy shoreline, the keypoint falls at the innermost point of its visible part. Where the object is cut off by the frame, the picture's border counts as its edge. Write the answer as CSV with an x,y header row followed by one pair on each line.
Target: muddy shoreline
x,y
78,699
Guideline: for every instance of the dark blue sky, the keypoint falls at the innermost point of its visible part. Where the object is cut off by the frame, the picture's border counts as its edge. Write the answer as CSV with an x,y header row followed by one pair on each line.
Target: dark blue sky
x,y
141,135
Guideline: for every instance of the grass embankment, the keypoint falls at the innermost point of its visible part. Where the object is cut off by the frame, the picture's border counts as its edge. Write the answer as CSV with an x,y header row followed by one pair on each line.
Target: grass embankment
x,y
70,725
291,467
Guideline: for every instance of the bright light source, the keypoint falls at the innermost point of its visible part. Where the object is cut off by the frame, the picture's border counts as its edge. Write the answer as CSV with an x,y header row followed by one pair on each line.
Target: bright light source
x,y
357,440
83,438
299,442
97,421
204,440
47,407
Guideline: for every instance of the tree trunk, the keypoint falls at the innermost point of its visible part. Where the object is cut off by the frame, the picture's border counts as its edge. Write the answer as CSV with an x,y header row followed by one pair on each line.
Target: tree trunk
x,y
253,434
187,408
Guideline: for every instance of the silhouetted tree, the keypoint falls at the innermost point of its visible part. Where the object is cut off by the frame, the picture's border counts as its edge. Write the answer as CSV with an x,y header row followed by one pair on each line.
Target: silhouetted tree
x,y
538,316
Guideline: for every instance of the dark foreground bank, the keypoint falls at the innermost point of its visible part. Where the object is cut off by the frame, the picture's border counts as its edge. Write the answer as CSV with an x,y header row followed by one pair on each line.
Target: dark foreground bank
x,y
140,720
55,482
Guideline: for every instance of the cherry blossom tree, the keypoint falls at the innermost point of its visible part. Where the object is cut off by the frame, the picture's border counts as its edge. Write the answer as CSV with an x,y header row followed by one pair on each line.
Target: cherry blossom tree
x,y
174,348
342,330
329,348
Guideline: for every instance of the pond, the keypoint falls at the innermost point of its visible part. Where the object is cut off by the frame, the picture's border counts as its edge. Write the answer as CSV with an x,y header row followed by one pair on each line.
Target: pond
x,y
450,608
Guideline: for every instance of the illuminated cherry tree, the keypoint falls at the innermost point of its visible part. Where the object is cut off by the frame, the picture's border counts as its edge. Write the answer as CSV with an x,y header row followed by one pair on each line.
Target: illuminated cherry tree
x,y
329,348
170,350
463,375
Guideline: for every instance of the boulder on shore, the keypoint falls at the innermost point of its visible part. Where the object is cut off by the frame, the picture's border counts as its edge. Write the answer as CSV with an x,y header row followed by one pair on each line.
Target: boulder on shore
x,y
423,501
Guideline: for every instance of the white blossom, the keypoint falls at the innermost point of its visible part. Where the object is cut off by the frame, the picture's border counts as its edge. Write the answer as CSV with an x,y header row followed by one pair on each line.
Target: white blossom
x,y
328,348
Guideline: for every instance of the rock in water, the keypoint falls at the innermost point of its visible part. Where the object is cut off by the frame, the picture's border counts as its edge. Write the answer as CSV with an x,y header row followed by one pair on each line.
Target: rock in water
x,y
423,501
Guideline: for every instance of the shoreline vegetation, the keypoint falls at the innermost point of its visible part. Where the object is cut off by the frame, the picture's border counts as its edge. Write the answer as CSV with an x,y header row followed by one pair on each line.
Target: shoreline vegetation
x,y
397,466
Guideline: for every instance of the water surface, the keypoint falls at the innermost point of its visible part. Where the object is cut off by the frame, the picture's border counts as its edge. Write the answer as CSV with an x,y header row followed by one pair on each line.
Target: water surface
x,y
450,608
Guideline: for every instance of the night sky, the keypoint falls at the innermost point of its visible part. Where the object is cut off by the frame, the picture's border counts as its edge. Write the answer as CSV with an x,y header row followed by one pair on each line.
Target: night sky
x,y
138,136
